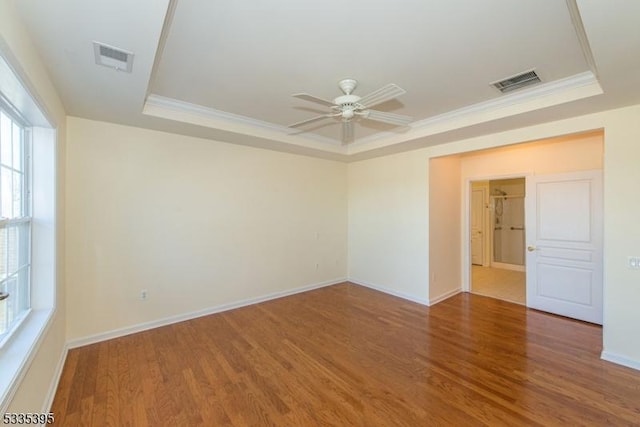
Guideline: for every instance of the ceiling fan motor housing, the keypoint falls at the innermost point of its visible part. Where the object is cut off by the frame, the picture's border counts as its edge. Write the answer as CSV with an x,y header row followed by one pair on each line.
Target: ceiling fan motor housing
x,y
347,104
346,100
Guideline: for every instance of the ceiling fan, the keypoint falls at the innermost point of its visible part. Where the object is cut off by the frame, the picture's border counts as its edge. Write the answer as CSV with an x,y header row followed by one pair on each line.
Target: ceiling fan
x,y
349,107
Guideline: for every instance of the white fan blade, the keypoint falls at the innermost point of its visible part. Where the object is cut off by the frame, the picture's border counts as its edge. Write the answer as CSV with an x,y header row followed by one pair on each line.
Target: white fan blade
x,y
381,116
381,95
311,120
312,98
347,131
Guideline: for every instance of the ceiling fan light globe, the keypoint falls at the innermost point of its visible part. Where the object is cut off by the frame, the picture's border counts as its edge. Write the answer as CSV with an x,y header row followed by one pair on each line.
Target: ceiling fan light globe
x,y
347,114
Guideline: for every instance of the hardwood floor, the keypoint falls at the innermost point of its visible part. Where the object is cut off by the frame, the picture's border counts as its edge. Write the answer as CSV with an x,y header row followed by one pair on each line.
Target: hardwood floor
x,y
350,356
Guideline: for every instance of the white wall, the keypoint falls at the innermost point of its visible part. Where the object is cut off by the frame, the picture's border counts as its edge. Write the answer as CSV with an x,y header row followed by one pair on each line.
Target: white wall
x,y
445,211
388,225
35,389
197,223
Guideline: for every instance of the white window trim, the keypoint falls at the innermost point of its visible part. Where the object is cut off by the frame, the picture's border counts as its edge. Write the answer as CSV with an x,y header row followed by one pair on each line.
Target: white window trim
x,y
22,346
16,117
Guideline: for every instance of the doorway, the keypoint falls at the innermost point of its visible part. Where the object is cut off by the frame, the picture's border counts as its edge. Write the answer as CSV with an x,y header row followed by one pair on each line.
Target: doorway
x,y
498,239
556,277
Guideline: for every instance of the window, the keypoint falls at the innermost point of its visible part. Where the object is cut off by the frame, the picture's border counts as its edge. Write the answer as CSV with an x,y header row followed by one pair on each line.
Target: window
x,y
15,222
28,224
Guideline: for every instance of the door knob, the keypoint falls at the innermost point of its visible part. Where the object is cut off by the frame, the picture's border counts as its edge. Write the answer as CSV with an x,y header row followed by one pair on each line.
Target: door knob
x,y
531,248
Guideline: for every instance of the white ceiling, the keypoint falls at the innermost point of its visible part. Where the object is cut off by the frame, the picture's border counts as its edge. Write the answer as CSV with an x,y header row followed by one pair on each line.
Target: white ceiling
x,y
225,69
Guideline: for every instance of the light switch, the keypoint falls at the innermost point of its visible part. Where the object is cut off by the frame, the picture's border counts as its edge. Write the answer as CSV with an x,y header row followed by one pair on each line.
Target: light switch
x,y
634,263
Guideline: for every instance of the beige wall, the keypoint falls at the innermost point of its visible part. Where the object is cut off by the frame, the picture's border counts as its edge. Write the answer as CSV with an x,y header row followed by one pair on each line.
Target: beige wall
x,y
566,154
388,225
197,223
34,391
395,273
132,192
622,236
444,188
394,243
445,211
556,155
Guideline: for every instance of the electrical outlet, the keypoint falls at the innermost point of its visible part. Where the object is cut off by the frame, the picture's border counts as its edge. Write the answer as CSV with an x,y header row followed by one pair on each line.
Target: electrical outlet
x,y
143,295
634,262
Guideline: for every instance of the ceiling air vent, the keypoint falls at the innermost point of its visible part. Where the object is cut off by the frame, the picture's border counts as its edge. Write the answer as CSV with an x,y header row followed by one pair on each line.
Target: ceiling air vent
x,y
113,57
516,82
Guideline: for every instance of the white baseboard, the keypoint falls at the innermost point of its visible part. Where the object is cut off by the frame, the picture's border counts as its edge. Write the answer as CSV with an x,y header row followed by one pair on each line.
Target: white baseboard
x,y
53,387
79,342
390,291
620,360
444,296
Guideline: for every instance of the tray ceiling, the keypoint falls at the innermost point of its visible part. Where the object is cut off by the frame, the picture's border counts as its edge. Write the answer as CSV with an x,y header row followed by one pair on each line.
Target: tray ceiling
x,y
226,70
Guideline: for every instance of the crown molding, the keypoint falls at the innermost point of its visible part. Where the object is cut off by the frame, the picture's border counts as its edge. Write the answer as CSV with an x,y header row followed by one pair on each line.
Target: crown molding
x,y
174,109
576,20
541,96
536,93
572,88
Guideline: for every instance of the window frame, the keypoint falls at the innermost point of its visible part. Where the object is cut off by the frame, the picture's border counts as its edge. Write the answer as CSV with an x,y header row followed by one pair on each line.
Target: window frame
x,y
43,327
26,216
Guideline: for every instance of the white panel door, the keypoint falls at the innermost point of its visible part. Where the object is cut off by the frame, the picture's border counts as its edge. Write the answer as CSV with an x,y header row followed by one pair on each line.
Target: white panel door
x,y
564,244
477,226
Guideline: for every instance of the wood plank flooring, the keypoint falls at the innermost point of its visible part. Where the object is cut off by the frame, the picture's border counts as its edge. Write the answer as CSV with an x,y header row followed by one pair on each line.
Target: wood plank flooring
x,y
350,356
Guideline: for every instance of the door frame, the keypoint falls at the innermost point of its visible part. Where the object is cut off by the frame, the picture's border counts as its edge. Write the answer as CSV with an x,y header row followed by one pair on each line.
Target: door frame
x,y
466,221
